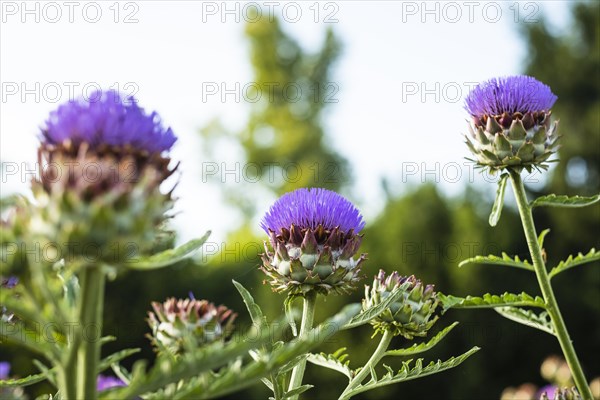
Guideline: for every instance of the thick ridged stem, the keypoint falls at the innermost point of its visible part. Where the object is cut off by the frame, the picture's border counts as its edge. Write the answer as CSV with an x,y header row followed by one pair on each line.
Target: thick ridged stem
x,y
544,282
91,307
308,316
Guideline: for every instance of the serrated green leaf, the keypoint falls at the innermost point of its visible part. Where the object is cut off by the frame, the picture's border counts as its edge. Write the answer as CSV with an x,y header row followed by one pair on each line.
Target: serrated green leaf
x,y
30,339
116,358
527,317
553,200
22,382
23,307
571,262
121,373
495,260
231,376
407,373
167,257
254,310
50,373
366,315
297,391
491,301
422,347
289,314
499,202
336,361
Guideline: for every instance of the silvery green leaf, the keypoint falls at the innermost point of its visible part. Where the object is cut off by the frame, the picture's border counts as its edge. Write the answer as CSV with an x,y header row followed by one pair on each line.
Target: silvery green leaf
x,y
527,317
408,372
198,366
491,301
254,310
289,313
495,260
121,372
553,200
571,262
337,361
167,257
499,202
422,347
366,315
297,391
20,335
22,382
116,358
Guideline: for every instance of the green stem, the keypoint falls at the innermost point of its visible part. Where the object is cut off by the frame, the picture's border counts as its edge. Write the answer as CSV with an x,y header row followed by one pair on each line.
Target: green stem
x,y
91,307
308,316
384,343
542,276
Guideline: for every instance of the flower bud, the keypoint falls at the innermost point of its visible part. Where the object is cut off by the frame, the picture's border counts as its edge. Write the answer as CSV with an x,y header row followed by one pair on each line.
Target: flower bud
x,y
195,322
412,315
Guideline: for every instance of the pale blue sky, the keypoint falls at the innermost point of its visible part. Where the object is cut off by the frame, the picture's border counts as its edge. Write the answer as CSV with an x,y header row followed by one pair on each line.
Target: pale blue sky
x,y
392,51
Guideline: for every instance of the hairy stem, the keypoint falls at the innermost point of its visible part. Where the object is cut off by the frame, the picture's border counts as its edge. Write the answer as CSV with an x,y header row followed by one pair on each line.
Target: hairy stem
x,y
366,369
542,276
308,316
91,307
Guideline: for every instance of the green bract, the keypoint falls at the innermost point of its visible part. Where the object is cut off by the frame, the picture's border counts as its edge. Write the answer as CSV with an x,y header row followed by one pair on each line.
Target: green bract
x,y
513,141
313,259
99,205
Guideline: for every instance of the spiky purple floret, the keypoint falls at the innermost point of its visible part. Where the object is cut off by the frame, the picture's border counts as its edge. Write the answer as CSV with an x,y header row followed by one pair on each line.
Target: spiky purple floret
x,y
510,94
108,118
106,382
309,208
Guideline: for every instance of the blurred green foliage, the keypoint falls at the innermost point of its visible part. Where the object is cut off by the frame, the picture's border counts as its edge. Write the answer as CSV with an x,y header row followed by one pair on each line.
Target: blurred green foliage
x,y
421,232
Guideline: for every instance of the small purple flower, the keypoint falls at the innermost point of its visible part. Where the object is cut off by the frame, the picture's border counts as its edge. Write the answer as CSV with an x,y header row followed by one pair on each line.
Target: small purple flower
x,y
106,382
107,119
10,282
548,390
4,369
309,208
513,94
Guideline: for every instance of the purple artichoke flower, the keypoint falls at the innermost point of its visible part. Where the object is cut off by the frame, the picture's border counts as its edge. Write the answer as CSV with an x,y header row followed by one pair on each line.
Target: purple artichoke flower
x,y
514,94
106,382
412,315
510,125
101,163
107,119
103,142
314,234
